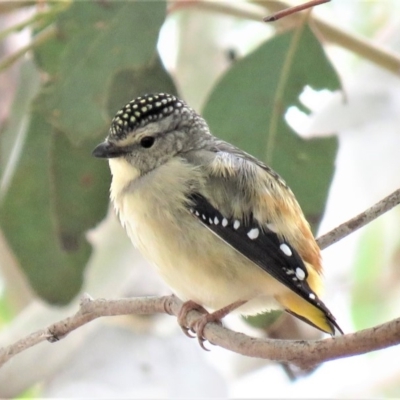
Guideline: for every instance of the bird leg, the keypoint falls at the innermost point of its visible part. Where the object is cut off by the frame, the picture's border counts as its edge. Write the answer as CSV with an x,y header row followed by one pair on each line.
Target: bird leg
x,y
199,324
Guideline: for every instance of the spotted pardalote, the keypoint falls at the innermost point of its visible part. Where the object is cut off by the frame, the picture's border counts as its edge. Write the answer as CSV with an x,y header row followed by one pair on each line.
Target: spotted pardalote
x,y
223,229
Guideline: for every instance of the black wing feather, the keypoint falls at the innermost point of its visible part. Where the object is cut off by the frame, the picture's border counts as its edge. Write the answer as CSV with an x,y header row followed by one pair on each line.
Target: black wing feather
x,y
265,250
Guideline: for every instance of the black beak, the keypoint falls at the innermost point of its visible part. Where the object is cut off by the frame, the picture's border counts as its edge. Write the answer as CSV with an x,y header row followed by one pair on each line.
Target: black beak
x,y
108,150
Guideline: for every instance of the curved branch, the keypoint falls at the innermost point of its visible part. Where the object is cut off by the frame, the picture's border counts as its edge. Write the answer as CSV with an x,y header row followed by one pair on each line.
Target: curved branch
x,y
304,354
88,311
360,220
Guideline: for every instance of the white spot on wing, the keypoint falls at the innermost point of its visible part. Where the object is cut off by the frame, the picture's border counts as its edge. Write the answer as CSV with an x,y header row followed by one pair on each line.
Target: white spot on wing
x,y
224,222
300,273
216,221
253,233
285,249
311,296
236,224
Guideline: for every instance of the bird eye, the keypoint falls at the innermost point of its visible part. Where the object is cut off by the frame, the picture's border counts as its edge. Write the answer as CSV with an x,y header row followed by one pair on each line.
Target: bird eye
x,y
147,142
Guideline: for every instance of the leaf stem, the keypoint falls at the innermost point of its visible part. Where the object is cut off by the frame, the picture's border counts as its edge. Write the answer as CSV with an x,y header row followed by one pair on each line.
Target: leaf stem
x,y
280,90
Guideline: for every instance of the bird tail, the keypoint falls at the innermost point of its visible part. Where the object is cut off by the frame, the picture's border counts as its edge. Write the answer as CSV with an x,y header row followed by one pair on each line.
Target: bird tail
x,y
307,312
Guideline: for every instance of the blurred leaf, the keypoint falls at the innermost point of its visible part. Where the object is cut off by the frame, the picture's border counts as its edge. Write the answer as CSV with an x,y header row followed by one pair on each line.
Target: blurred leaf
x,y
80,187
368,305
12,138
6,312
96,39
265,320
131,83
34,392
48,55
241,106
45,233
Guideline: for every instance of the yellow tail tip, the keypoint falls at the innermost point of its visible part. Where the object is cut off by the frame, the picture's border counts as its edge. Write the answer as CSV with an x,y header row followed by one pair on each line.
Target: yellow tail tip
x,y
320,318
327,324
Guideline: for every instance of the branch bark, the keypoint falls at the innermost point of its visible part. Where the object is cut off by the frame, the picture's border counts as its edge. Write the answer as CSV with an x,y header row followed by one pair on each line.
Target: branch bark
x,y
359,221
304,354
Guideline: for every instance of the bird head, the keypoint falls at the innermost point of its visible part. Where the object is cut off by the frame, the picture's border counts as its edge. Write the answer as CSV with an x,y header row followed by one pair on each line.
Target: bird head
x,y
152,129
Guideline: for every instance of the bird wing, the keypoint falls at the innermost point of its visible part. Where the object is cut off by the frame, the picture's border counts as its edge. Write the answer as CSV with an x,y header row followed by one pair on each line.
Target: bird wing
x,y
250,207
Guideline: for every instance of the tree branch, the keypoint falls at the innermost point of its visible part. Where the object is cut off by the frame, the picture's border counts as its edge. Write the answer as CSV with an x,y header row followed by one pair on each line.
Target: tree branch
x,y
304,354
359,221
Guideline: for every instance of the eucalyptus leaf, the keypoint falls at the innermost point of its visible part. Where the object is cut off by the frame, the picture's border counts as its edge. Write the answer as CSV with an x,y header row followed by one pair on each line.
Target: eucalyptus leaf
x,y
241,109
130,83
79,189
96,40
26,220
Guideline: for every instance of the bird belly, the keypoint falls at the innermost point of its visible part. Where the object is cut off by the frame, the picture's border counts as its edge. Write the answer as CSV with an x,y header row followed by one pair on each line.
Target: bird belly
x,y
194,262
200,267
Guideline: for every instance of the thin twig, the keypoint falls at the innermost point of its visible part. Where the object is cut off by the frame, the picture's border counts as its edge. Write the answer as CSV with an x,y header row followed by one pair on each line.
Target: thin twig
x,y
304,354
234,9
385,58
284,76
293,10
89,310
360,220
38,40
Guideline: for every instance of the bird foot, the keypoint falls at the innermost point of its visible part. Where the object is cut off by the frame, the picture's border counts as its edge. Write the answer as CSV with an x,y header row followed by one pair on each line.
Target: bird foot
x,y
200,323
188,306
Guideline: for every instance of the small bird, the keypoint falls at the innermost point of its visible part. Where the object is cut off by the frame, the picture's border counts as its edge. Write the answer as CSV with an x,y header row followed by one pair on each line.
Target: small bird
x,y
223,229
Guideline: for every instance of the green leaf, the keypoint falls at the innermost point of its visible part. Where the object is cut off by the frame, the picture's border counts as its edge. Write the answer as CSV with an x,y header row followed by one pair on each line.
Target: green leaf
x,y
48,208
79,189
6,312
241,110
264,320
47,55
96,40
131,83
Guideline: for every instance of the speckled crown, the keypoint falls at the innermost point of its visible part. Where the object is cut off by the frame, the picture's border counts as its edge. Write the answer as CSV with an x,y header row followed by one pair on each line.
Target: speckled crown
x,y
142,110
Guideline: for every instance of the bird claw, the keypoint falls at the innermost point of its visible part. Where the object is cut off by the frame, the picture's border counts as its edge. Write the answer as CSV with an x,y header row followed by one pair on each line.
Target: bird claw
x,y
186,331
200,323
185,309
